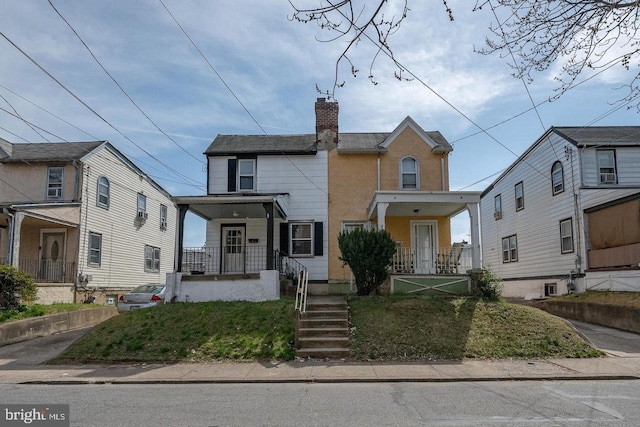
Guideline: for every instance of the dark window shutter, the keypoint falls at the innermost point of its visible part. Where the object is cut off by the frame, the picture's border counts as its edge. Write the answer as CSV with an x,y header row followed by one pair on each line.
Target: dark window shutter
x,y
232,165
318,247
284,238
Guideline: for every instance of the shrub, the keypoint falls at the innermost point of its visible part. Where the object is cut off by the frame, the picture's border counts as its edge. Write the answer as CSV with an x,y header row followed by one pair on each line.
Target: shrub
x,y
15,288
368,253
489,286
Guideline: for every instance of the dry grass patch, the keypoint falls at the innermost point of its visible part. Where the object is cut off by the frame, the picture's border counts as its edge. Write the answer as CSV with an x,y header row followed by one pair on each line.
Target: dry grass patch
x,y
624,299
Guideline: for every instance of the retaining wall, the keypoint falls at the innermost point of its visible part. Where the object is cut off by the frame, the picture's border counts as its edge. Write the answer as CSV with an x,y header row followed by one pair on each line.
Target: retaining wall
x,y
613,316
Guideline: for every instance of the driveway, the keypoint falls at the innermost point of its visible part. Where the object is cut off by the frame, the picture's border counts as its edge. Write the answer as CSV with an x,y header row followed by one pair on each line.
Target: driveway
x,y
39,350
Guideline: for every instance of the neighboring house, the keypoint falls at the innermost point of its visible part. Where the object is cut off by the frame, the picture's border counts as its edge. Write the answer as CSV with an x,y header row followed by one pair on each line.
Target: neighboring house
x,y
81,216
278,202
566,214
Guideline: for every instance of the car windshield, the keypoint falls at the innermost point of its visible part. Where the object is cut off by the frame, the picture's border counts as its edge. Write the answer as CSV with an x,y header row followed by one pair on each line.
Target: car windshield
x,y
148,289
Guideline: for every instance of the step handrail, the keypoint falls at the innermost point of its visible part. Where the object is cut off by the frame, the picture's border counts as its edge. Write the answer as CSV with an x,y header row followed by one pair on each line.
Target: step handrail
x,y
301,291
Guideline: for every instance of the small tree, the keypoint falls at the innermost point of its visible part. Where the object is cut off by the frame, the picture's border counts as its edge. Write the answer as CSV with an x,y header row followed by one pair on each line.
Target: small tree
x,y
15,288
368,253
489,286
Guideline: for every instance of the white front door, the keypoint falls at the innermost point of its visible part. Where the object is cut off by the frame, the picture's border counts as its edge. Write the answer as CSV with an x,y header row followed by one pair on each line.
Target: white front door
x,y
233,250
52,257
423,237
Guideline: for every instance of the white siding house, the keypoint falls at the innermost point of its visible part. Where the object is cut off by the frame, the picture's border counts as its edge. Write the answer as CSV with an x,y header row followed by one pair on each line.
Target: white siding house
x,y
543,226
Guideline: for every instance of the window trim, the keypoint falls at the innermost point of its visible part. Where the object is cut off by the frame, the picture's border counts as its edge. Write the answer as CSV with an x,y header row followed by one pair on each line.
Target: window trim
x,y
152,262
310,239
554,184
352,225
416,173
92,249
141,207
106,186
59,187
163,217
615,166
497,207
570,236
511,249
252,175
515,193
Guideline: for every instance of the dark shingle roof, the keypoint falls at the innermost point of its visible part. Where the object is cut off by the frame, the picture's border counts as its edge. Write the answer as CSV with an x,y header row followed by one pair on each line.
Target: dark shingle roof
x,y
262,144
601,135
50,152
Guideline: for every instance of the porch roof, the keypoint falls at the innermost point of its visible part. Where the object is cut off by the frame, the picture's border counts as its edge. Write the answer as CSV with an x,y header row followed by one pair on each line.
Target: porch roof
x,y
423,203
232,205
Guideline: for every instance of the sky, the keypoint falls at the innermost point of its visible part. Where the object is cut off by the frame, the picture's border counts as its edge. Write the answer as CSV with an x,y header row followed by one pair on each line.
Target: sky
x,y
159,79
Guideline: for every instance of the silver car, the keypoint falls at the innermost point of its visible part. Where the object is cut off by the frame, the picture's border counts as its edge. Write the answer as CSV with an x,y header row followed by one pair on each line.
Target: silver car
x,y
142,296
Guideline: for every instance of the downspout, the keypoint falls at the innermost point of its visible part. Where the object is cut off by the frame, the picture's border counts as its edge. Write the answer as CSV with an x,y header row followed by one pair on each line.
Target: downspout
x,y
442,171
11,231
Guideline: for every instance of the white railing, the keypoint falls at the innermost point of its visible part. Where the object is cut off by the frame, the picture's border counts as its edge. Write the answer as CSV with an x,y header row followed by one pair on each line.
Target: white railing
x,y
431,260
301,291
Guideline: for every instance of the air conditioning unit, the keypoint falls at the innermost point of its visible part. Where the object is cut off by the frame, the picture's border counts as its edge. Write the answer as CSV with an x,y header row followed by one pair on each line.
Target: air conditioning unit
x,y
55,193
497,215
607,178
142,215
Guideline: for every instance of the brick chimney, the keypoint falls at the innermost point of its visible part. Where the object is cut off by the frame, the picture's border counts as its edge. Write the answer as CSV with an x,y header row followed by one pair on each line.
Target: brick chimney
x,y
326,124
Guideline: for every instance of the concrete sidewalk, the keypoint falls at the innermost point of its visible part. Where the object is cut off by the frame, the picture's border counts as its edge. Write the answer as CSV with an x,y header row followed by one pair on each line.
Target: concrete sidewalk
x,y
22,363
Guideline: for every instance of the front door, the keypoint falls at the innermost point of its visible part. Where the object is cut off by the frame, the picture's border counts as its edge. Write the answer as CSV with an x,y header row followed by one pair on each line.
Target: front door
x,y
233,249
424,246
52,258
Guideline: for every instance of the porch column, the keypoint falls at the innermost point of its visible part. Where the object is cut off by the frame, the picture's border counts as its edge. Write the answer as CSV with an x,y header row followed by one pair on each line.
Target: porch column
x,y
15,226
182,213
268,208
474,220
382,211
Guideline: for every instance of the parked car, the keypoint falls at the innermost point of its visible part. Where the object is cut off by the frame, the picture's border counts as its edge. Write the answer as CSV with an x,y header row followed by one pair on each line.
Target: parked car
x,y
142,296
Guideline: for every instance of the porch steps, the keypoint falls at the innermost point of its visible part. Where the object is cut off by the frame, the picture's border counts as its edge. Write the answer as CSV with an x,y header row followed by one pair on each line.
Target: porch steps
x,y
323,330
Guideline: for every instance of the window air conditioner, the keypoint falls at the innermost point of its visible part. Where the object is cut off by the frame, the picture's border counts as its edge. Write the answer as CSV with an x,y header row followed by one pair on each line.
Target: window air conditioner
x,y
608,178
142,215
497,215
55,192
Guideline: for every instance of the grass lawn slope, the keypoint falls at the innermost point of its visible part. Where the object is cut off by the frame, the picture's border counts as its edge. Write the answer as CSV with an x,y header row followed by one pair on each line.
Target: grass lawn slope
x,y
383,328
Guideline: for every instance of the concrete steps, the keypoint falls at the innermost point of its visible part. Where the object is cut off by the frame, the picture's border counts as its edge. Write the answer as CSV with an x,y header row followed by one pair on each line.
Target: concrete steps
x,y
323,330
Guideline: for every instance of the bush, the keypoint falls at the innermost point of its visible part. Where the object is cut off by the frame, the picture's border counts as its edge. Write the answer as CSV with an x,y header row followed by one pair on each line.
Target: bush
x,y
368,253
15,288
489,286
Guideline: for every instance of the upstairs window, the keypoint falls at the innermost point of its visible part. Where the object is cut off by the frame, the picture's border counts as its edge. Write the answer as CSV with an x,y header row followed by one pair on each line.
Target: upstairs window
x,y
246,174
497,207
103,192
606,166
409,174
163,217
519,192
557,178
55,181
142,207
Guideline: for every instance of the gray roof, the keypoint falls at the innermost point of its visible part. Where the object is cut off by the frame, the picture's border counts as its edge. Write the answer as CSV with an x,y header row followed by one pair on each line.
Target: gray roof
x,y
600,135
361,141
49,151
262,144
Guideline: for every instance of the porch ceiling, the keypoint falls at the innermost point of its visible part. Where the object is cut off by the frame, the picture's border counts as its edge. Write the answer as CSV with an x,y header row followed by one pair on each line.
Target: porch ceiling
x,y
423,203
226,206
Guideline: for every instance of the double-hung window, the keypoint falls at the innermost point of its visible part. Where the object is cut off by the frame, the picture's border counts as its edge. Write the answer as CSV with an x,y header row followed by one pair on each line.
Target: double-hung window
x,y
142,207
103,192
301,238
497,207
607,166
409,174
151,259
95,249
55,181
163,217
510,248
557,178
566,236
246,174
519,192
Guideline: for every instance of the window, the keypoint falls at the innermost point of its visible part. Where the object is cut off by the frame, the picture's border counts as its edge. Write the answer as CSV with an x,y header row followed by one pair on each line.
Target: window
x,y
409,174
352,225
301,239
246,174
557,178
497,207
510,249
606,166
163,217
55,180
151,259
103,192
142,206
566,236
519,196
95,249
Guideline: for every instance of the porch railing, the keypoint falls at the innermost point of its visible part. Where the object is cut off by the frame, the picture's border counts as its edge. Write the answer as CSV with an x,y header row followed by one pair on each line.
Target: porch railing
x,y
47,271
249,259
431,260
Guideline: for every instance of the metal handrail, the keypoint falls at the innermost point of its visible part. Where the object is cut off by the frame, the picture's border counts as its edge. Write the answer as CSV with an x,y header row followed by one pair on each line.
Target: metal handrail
x,y
301,291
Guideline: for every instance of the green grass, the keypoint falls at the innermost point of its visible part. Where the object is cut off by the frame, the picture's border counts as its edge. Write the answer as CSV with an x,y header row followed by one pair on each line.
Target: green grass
x,y
384,328
36,310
